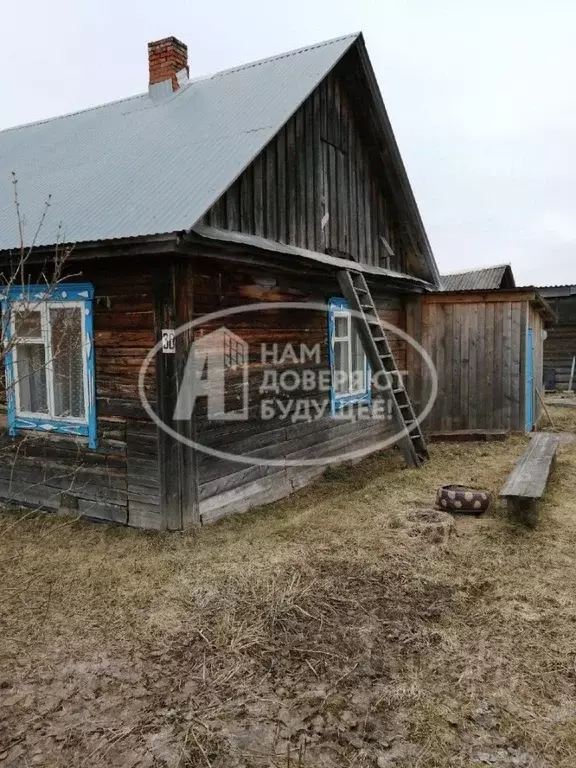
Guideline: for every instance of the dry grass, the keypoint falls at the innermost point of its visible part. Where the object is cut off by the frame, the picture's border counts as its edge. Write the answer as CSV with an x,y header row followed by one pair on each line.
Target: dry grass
x,y
564,417
322,631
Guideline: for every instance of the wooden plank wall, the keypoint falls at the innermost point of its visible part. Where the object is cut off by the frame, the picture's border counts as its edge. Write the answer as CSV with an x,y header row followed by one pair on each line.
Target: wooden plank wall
x,y
226,486
560,345
478,348
318,165
119,481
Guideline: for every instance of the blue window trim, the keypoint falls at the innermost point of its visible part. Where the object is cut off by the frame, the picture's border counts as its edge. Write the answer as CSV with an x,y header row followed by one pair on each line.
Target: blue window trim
x,y
337,402
64,292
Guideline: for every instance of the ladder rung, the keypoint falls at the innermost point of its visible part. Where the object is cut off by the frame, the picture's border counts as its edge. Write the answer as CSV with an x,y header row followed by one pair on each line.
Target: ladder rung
x,y
357,291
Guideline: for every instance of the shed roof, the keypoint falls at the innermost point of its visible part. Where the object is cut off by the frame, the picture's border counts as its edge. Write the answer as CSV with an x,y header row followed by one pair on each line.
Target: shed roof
x,y
483,278
156,162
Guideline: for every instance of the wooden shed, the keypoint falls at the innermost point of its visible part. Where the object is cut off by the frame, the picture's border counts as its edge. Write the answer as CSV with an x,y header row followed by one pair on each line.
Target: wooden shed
x,y
487,347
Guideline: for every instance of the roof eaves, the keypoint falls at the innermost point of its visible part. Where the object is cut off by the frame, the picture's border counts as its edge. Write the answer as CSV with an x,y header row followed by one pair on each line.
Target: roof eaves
x,y
334,262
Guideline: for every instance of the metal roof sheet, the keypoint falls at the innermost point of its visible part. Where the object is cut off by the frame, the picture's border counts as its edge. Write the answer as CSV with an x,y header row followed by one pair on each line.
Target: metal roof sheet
x,y
557,291
484,278
151,165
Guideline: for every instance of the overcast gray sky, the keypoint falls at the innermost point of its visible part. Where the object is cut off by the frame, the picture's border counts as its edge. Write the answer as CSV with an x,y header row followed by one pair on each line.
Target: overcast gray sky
x,y
481,95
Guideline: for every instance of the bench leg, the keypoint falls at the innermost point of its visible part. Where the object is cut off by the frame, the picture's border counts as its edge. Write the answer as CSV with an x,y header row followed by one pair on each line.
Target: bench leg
x,y
524,511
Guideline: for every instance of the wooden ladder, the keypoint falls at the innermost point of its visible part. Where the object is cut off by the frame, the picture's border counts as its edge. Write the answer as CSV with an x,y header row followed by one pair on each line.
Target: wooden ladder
x,y
382,361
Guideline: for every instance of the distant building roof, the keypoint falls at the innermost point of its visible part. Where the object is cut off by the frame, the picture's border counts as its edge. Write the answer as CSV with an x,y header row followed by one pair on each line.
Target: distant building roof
x,y
556,291
483,278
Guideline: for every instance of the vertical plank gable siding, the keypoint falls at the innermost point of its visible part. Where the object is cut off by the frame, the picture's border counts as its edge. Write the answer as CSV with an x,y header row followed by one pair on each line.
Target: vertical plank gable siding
x,y
479,350
318,164
119,481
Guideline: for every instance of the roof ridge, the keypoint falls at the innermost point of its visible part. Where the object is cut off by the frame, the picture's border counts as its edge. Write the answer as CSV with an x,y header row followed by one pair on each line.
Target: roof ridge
x,y
285,55
476,269
191,81
21,126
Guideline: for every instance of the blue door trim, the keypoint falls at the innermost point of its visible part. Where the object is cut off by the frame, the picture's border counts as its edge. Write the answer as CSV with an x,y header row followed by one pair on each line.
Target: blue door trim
x,y
529,380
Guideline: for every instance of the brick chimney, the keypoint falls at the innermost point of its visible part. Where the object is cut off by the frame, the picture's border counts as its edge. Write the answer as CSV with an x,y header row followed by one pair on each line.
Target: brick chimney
x,y
166,59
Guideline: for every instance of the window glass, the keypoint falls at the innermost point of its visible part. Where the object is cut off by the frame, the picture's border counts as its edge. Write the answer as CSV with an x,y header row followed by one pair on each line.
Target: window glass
x,y
340,373
341,326
28,323
50,359
67,361
358,383
350,379
31,378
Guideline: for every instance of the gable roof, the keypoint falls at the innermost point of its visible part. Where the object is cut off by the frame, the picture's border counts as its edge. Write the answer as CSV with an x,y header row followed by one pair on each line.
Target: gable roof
x,y
483,278
155,163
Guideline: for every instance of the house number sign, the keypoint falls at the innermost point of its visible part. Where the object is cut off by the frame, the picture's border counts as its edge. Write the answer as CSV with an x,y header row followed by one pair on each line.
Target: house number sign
x,y
168,344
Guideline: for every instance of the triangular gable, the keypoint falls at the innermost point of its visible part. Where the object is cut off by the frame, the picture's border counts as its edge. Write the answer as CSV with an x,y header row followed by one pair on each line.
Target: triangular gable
x,y
332,180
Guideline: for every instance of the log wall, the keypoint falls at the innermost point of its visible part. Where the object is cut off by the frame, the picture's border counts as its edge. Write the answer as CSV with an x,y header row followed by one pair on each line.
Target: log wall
x,y
560,346
225,485
119,481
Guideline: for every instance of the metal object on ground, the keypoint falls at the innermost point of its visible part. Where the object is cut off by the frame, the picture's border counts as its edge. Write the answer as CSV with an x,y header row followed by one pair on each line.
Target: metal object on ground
x,y
572,374
458,498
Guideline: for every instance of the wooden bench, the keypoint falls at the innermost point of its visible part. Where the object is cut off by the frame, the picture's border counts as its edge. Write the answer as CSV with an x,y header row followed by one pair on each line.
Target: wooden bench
x,y
526,483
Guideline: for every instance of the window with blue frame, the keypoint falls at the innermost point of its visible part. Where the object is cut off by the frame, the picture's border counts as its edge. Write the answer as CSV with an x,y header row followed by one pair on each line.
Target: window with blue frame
x,y
348,364
49,342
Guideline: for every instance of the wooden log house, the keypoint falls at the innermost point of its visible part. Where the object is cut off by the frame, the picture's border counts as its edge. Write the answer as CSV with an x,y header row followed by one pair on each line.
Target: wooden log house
x,y
560,344
256,184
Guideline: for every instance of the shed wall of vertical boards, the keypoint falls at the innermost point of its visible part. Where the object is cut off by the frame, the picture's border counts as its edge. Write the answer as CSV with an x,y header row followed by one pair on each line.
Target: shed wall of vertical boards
x,y
477,342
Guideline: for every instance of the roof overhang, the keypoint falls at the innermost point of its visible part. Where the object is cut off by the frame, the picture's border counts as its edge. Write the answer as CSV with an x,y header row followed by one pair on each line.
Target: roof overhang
x,y
306,257
494,296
